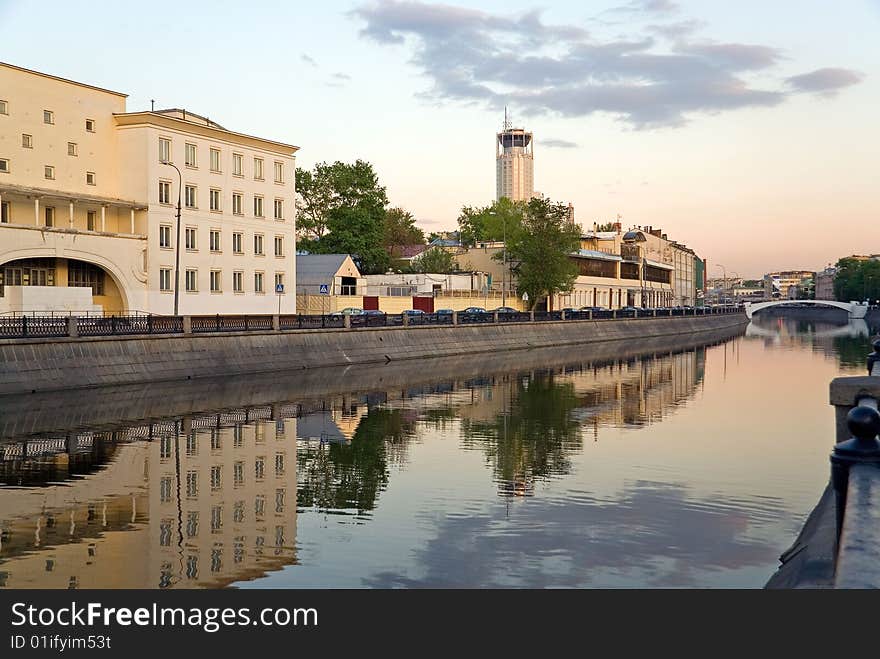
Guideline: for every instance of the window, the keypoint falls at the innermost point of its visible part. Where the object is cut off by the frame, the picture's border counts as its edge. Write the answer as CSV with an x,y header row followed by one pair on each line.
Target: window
x,y
4,212
50,216
279,209
192,524
27,141
85,275
236,243
165,279
192,281
164,192
189,195
236,164
258,282
279,172
4,107
165,489
216,511
90,178
279,465
237,282
258,169
49,172
192,484
214,240
215,160
4,165
216,278
190,234
279,245
259,472
164,149
48,117
214,199
191,155
165,235
236,203
91,216
72,149
216,477
279,280
90,125
258,206
258,244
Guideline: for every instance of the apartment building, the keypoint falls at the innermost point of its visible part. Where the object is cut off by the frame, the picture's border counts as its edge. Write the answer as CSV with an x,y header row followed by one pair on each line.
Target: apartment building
x,y
89,197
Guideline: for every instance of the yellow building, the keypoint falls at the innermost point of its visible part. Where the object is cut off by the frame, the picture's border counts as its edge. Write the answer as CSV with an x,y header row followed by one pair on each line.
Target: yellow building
x,y
89,203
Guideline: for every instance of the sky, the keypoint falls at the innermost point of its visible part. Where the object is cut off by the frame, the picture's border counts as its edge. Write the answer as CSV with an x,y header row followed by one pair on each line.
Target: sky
x,y
746,130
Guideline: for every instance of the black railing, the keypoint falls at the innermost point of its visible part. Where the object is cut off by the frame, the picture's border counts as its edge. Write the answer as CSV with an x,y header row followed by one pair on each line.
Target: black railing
x,y
20,327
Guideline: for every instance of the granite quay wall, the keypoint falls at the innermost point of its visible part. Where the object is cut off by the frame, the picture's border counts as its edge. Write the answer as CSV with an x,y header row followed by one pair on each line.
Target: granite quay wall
x,y
107,408
35,365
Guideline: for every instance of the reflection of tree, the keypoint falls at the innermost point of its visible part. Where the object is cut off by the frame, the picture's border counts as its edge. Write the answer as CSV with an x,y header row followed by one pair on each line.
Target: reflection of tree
x,y
852,350
351,475
533,440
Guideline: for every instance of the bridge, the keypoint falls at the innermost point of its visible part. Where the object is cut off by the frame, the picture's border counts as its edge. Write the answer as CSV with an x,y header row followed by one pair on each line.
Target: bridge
x,y
854,309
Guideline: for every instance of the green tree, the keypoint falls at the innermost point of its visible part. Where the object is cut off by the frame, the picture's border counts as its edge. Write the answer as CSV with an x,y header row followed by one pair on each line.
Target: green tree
x,y
358,232
435,260
496,221
400,230
857,280
539,251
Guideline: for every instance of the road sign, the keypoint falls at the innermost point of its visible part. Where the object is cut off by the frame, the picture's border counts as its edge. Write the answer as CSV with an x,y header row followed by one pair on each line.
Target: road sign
x,y
279,288
324,289
525,297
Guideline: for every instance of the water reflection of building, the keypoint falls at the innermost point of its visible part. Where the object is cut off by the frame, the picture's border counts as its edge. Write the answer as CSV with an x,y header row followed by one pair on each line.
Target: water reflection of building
x,y
195,509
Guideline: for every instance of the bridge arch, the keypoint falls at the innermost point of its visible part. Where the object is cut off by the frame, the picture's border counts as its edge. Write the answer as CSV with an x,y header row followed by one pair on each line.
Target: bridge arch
x,y
854,309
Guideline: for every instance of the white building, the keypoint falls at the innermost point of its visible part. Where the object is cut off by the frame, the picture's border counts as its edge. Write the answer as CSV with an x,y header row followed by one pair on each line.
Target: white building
x,y
514,163
87,202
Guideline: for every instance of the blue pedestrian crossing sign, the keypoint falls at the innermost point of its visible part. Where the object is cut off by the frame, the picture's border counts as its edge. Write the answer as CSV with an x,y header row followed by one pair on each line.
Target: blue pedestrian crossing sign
x,y
324,289
279,288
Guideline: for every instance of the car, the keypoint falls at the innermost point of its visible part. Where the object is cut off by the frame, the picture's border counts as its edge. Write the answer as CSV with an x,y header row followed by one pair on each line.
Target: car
x,y
413,312
349,311
505,310
444,312
475,310
373,312
568,309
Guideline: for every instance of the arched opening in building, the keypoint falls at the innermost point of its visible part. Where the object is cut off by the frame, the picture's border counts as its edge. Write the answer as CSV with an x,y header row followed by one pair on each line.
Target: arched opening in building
x,y
58,284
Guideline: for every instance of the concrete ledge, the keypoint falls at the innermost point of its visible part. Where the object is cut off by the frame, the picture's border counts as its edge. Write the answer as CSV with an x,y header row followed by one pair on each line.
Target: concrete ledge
x,y
858,557
66,363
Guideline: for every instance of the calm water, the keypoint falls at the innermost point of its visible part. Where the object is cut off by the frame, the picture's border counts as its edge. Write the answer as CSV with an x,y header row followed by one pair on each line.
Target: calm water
x,y
683,469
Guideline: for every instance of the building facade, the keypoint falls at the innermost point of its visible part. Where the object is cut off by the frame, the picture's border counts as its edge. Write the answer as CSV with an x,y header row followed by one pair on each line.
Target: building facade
x,y
88,202
514,163
825,283
785,283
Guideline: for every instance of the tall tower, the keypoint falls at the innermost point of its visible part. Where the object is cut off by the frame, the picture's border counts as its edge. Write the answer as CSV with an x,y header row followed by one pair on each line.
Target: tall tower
x,y
514,163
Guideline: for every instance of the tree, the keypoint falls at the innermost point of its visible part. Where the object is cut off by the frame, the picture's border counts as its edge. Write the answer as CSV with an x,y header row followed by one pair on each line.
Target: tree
x,y
358,232
436,260
496,221
539,251
331,186
857,279
400,230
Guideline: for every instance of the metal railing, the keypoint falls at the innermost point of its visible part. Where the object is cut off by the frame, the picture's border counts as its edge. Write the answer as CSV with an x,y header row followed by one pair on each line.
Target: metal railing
x,y
25,327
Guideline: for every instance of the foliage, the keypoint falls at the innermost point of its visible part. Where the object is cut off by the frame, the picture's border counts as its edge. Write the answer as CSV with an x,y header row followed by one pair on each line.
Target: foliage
x,y
435,260
608,226
400,230
857,280
358,232
496,221
539,251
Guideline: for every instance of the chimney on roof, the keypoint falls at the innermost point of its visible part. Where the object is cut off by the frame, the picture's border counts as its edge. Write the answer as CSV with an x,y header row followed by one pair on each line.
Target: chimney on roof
x,y
617,227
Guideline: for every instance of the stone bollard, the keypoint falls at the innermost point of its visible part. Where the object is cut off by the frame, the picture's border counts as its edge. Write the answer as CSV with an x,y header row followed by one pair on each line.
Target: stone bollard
x,y
532,316
873,358
187,325
405,320
495,317
614,313
654,313
72,327
863,422
455,318
346,321
590,315
276,323
562,314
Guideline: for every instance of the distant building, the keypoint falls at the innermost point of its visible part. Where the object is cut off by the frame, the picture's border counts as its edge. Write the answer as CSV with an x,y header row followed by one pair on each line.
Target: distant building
x,y
825,283
779,284
514,163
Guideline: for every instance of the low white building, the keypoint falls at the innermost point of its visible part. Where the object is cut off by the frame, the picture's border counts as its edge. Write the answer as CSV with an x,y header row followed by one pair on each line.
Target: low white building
x,y
394,284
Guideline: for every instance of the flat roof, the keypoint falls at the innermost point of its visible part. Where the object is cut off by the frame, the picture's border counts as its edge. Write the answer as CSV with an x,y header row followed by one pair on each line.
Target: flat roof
x,y
60,79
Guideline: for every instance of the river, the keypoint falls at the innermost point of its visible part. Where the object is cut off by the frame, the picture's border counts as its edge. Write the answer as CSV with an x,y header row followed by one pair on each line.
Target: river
x,y
680,468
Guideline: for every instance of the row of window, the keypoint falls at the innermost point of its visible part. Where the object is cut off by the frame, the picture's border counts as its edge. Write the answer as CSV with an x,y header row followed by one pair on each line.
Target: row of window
x,y
49,216
48,116
191,159
191,200
191,281
27,142
215,241
49,170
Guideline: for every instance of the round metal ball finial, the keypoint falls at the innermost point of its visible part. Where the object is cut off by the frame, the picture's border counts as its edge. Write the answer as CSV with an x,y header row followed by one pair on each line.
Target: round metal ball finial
x,y
864,423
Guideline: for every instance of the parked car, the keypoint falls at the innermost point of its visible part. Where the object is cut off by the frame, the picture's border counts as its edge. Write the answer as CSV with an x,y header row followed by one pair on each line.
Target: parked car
x,y
592,309
349,311
373,312
413,312
505,310
444,312
568,309
475,310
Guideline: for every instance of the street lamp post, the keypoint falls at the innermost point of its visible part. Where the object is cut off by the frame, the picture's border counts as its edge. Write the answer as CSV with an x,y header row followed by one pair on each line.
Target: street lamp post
x,y
177,240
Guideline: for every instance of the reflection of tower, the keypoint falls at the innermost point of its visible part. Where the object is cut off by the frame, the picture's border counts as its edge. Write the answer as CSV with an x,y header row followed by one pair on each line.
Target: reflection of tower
x,y
514,162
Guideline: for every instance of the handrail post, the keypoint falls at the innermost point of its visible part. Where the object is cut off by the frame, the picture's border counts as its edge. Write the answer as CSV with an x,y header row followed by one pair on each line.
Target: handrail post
x,y
455,318
346,321
863,422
